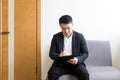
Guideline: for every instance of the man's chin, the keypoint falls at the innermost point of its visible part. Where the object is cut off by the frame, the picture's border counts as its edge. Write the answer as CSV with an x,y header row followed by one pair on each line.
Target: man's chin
x,y
67,35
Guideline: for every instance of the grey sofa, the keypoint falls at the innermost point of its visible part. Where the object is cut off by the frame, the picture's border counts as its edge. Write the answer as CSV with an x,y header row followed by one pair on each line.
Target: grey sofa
x,y
99,62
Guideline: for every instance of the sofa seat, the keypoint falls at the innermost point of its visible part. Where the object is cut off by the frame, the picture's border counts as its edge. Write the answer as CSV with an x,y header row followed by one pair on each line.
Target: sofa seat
x,y
98,73
103,73
67,77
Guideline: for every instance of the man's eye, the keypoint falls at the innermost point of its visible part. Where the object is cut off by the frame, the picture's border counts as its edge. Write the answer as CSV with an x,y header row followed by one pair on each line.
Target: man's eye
x,y
64,28
68,28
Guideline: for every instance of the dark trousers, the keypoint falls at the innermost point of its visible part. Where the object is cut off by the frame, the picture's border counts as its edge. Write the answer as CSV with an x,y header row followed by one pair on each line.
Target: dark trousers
x,y
58,70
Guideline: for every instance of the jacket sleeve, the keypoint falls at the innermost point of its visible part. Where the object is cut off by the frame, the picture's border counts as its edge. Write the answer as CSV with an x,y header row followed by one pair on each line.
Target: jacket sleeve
x,y
53,53
83,50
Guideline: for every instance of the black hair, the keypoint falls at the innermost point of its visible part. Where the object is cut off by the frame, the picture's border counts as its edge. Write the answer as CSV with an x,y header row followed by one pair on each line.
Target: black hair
x,y
65,19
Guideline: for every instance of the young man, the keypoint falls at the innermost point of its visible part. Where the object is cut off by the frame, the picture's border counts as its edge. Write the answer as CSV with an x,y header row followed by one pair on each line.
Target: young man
x,y
65,43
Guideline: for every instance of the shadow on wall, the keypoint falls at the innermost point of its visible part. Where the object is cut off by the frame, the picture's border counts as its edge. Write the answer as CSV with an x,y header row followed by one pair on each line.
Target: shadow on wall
x,y
47,62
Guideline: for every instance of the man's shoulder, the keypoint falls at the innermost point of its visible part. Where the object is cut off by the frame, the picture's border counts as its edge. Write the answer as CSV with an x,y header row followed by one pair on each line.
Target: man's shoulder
x,y
58,34
77,33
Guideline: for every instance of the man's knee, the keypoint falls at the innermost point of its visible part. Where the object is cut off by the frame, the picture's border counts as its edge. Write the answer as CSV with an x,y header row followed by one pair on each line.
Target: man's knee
x,y
83,76
54,74
81,72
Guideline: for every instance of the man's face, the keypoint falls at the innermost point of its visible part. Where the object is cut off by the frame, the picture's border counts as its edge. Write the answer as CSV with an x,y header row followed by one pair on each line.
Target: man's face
x,y
67,29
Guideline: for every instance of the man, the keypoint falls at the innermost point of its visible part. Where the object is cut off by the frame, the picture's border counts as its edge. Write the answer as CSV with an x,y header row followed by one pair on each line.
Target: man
x,y
65,43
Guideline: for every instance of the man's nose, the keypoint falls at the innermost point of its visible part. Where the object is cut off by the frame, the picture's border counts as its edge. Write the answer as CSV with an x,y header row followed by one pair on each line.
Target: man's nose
x,y
66,30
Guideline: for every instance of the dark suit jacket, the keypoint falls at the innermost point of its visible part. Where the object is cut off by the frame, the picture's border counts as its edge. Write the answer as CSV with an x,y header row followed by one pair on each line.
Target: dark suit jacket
x,y
79,47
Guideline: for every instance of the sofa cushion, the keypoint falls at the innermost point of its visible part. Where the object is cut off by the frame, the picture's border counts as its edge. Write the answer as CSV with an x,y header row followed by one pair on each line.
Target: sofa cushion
x,y
99,53
67,77
103,73
98,73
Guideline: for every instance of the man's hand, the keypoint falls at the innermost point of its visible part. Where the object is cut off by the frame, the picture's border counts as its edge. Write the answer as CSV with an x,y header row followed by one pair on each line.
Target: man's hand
x,y
62,54
73,61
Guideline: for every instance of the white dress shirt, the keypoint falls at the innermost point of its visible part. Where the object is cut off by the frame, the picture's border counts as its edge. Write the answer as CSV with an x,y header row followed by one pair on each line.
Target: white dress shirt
x,y
68,45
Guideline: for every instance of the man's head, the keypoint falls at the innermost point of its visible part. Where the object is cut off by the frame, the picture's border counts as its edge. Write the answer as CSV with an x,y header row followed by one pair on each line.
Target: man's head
x,y
66,24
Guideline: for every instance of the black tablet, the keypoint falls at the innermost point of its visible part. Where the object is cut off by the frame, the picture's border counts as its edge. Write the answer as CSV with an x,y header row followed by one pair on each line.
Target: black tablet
x,y
67,57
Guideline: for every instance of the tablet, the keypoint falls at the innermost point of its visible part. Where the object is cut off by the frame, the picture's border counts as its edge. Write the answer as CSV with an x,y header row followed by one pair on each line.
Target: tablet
x,y
67,57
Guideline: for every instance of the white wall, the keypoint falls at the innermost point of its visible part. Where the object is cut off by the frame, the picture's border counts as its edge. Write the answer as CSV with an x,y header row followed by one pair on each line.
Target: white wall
x,y
96,19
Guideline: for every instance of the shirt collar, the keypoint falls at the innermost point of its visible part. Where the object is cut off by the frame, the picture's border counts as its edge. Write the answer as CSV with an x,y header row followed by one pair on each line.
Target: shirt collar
x,y
69,36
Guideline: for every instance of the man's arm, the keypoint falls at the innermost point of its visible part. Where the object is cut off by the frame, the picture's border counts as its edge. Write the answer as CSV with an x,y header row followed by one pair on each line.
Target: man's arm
x,y
53,49
83,50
